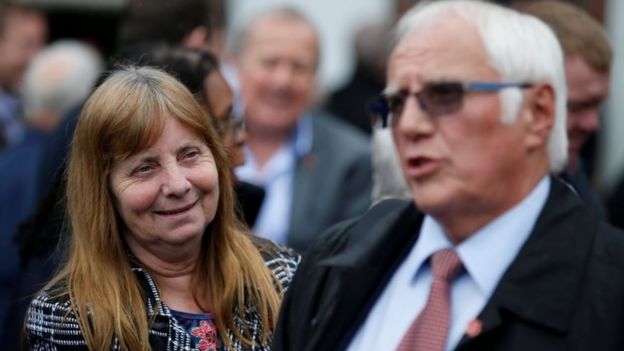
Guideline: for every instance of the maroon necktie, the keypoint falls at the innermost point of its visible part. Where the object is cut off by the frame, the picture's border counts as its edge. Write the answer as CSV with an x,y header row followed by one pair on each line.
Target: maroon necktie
x,y
429,330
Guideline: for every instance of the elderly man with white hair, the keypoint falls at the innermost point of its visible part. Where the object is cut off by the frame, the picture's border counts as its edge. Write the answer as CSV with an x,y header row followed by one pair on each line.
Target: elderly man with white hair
x,y
492,253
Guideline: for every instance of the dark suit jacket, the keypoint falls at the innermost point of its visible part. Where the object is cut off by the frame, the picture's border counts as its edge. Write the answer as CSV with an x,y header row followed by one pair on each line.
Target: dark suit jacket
x,y
332,183
564,290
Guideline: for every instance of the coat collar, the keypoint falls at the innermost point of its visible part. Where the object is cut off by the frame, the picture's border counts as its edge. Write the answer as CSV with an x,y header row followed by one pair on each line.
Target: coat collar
x,y
543,283
153,303
363,263
382,237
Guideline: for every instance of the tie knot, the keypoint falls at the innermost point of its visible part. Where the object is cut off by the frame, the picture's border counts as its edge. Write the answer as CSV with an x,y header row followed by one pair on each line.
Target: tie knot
x,y
446,264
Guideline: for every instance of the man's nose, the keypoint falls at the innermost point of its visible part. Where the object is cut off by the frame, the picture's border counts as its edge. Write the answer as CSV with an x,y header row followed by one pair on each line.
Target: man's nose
x,y
414,120
283,74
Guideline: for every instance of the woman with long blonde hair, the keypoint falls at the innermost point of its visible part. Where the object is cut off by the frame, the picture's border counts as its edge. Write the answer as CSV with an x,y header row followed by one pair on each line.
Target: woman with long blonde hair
x,y
157,259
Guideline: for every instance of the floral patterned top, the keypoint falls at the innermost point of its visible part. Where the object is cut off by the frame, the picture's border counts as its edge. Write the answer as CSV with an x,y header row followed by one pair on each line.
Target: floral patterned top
x,y
202,328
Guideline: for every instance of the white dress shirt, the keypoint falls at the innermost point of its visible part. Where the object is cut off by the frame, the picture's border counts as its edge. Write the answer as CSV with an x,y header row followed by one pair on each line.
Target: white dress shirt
x,y
486,255
277,177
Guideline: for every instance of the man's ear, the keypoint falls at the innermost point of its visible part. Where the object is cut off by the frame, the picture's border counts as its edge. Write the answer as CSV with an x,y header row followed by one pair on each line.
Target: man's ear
x,y
538,115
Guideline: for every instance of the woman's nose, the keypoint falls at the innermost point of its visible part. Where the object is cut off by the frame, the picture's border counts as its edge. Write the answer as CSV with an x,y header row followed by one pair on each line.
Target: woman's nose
x,y
176,182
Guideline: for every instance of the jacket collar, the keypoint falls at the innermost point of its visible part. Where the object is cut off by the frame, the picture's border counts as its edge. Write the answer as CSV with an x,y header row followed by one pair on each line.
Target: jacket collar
x,y
381,237
543,283
153,303
363,263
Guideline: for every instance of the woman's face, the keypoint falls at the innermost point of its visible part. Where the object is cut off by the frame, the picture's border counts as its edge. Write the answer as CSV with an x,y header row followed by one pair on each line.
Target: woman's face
x,y
220,99
168,193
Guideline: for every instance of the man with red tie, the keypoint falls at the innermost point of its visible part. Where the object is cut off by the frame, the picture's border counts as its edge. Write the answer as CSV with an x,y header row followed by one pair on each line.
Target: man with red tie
x,y
493,253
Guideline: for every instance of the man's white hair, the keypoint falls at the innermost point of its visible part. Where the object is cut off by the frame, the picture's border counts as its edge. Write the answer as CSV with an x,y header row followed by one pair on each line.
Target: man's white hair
x,y
519,47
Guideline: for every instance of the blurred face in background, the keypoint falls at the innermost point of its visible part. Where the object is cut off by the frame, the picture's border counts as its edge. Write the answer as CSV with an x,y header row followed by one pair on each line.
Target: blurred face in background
x,y
277,69
587,89
219,98
23,34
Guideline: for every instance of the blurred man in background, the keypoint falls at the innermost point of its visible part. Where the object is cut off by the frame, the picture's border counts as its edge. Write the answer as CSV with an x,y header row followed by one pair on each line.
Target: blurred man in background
x,y
23,32
315,169
588,56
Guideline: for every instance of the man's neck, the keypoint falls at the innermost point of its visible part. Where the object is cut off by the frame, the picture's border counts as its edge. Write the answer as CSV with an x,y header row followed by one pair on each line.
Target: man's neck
x,y
264,145
462,221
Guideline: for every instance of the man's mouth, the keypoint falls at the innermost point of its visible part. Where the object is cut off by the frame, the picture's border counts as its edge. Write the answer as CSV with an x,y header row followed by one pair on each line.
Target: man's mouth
x,y
421,166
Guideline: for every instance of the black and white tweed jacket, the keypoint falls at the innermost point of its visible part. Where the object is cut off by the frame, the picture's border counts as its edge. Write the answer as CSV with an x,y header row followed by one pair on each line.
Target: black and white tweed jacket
x,y
52,326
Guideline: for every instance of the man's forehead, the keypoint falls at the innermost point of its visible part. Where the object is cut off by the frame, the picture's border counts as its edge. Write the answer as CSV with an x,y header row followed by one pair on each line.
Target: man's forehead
x,y
269,42
445,31
583,82
439,51
265,27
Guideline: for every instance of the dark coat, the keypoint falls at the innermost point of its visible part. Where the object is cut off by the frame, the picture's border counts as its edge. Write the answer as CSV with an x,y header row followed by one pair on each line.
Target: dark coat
x,y
564,290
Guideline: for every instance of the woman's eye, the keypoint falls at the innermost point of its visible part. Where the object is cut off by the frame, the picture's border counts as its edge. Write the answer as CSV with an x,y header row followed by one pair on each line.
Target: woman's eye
x,y
191,154
142,169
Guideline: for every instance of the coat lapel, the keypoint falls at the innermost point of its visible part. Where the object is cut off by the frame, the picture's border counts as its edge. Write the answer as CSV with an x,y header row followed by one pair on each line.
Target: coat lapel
x,y
543,283
306,182
376,247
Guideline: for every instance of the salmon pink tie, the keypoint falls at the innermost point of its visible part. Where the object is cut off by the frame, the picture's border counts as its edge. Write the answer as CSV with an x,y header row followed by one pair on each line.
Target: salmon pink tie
x,y
430,329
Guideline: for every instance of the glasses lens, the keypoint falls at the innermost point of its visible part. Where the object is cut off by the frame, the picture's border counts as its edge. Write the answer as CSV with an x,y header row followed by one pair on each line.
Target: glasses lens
x,y
442,98
396,102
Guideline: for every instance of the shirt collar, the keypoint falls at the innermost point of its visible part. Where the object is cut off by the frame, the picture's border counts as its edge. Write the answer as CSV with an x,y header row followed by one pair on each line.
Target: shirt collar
x,y
487,253
298,145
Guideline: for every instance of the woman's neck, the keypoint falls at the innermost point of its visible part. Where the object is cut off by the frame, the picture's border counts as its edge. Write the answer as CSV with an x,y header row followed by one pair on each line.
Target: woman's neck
x,y
177,292
173,275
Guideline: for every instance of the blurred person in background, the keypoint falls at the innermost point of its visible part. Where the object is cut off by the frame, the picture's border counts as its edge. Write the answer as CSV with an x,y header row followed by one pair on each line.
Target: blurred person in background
x,y
58,78
588,56
23,32
315,169
191,23
368,79
157,257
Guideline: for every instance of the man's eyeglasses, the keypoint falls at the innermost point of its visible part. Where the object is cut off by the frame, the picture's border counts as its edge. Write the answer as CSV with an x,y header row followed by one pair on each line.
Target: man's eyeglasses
x,y
435,98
